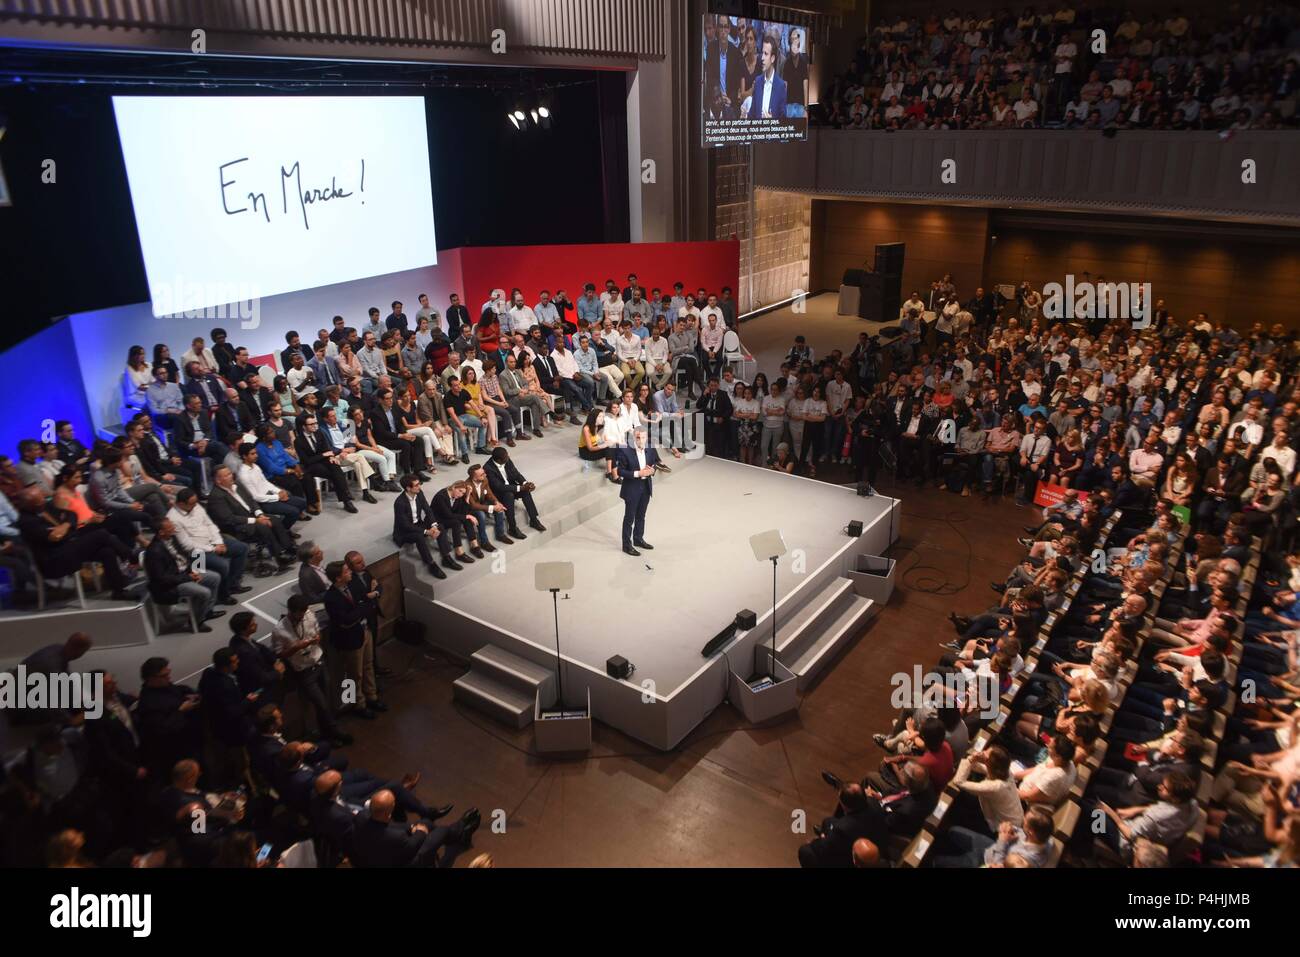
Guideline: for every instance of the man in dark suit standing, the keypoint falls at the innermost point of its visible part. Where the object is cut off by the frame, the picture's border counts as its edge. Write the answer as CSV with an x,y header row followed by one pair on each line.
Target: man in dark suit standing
x,y
377,842
768,101
113,749
316,456
413,524
228,711
636,466
312,583
715,406
365,587
350,636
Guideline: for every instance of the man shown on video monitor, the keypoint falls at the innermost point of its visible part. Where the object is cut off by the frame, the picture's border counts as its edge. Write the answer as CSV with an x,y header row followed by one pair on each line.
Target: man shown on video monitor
x,y
755,81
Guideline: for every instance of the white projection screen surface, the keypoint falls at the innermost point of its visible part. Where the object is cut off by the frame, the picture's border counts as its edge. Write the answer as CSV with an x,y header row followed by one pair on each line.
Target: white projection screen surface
x,y
239,198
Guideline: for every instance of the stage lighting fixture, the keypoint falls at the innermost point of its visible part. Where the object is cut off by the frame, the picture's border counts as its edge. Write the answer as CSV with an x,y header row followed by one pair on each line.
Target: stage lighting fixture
x,y
511,118
519,115
543,112
533,113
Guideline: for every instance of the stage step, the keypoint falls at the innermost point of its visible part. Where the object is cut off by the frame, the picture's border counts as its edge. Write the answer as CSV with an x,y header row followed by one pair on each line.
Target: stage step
x,y
808,641
503,702
515,672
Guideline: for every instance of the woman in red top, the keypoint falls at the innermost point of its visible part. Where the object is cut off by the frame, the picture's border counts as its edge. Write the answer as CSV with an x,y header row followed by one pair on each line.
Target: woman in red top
x,y
489,339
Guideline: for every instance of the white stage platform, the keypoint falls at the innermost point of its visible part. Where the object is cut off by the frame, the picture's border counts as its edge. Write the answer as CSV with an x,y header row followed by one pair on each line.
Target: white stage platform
x,y
700,574
659,610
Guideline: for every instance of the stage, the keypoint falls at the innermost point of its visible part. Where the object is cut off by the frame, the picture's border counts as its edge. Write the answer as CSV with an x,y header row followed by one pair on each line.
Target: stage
x,y
660,609
657,611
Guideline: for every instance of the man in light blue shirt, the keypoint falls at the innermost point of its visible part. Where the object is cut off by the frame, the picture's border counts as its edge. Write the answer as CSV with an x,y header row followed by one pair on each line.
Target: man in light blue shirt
x,y
546,312
371,358
589,368
375,326
163,398
588,306
671,417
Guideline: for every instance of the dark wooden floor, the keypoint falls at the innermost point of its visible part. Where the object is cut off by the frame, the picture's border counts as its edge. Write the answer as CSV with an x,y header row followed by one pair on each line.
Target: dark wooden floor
x,y
729,795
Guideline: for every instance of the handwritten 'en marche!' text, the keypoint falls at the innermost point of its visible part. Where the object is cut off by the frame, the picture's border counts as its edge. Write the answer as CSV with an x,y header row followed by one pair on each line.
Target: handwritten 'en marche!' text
x,y
290,183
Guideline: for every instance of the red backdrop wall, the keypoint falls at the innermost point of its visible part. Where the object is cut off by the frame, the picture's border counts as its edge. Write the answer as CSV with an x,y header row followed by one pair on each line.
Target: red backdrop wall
x,y
534,268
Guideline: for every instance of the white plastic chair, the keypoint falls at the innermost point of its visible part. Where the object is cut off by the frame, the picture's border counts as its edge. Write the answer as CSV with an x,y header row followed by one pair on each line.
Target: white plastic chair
x,y
733,353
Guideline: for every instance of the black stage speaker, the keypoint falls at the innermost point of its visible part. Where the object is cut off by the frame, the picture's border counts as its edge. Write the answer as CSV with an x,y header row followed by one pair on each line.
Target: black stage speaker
x,y
889,263
855,529
889,258
891,298
872,306
618,667
746,620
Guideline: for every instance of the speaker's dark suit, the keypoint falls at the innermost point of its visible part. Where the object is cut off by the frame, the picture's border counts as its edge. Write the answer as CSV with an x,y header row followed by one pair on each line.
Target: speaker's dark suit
x,y
635,492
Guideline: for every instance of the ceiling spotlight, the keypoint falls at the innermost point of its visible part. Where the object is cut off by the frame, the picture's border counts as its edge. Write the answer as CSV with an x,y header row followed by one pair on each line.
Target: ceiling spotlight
x,y
534,115
511,118
519,115
543,112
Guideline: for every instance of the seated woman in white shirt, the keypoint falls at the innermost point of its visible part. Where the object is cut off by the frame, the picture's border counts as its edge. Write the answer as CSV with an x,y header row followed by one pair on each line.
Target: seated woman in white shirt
x,y
136,378
595,445
998,795
1050,782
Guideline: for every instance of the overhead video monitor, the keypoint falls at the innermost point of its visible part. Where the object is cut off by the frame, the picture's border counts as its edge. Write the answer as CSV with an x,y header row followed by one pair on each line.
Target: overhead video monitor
x,y
755,87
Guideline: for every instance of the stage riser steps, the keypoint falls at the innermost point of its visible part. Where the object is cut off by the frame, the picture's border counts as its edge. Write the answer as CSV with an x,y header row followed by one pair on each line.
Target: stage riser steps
x,y
799,631
833,636
500,701
514,672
